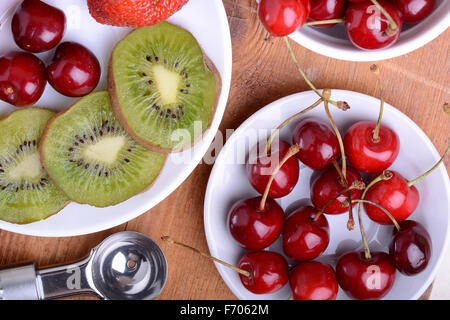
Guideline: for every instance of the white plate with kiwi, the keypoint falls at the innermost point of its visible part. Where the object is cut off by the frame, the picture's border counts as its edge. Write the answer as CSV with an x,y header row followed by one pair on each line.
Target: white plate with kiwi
x,y
125,147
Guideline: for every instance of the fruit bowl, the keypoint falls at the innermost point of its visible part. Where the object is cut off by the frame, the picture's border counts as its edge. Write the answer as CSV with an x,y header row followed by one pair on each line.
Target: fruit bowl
x,y
228,183
207,21
333,42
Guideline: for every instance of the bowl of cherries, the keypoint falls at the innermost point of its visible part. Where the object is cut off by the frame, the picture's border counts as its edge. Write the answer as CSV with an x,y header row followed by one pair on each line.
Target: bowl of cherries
x,y
357,30
311,199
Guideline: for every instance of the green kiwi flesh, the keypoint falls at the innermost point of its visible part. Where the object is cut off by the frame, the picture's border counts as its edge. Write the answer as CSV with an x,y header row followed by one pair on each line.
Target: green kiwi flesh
x,y
163,88
26,191
92,159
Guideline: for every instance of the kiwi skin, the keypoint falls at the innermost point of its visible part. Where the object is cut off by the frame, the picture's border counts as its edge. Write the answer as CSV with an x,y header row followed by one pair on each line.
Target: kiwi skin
x,y
41,153
68,200
157,148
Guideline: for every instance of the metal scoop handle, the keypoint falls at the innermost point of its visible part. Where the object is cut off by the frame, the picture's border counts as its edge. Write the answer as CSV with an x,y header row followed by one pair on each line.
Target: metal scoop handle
x,y
25,283
64,281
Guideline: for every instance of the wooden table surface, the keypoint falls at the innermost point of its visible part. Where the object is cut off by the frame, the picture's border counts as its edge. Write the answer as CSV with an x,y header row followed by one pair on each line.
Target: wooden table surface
x,y
417,84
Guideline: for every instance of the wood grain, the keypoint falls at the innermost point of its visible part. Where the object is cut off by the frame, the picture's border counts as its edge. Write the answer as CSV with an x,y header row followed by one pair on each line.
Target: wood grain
x,y
416,83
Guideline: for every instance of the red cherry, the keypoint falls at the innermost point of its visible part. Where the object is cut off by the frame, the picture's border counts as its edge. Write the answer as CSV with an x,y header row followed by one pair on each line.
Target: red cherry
x,y
37,27
395,196
22,78
303,238
328,185
318,143
365,25
260,168
411,248
313,281
269,271
74,71
365,279
255,229
414,10
282,17
326,10
364,153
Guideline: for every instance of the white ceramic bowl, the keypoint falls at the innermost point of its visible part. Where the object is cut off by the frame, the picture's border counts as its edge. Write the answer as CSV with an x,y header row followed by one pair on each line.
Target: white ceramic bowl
x,y
207,21
333,42
228,183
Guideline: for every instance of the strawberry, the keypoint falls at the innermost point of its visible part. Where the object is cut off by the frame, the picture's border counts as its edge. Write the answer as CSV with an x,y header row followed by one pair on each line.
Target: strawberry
x,y
133,13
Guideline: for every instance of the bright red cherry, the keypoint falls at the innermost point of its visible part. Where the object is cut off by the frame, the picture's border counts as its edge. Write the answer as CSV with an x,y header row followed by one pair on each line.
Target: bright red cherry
x,y
367,155
37,27
365,279
253,228
269,271
326,10
411,248
22,78
318,143
395,196
329,184
74,71
366,26
303,238
282,17
313,281
260,168
414,11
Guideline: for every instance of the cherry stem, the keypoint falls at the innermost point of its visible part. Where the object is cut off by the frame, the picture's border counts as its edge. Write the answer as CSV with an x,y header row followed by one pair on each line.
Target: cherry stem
x,y
381,208
294,149
363,237
291,118
339,137
351,221
313,23
243,272
376,137
355,185
392,28
447,108
412,182
340,104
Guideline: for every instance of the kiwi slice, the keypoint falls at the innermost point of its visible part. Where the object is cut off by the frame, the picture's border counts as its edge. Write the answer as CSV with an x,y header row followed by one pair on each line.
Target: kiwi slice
x,y
164,90
26,192
92,159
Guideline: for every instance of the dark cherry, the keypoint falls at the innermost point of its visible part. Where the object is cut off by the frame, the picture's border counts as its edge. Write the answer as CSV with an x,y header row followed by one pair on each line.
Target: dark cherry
x,y
327,185
364,279
261,166
37,27
255,229
411,248
318,143
22,78
269,271
313,280
395,196
367,155
326,10
365,25
74,71
303,238
414,11
282,17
